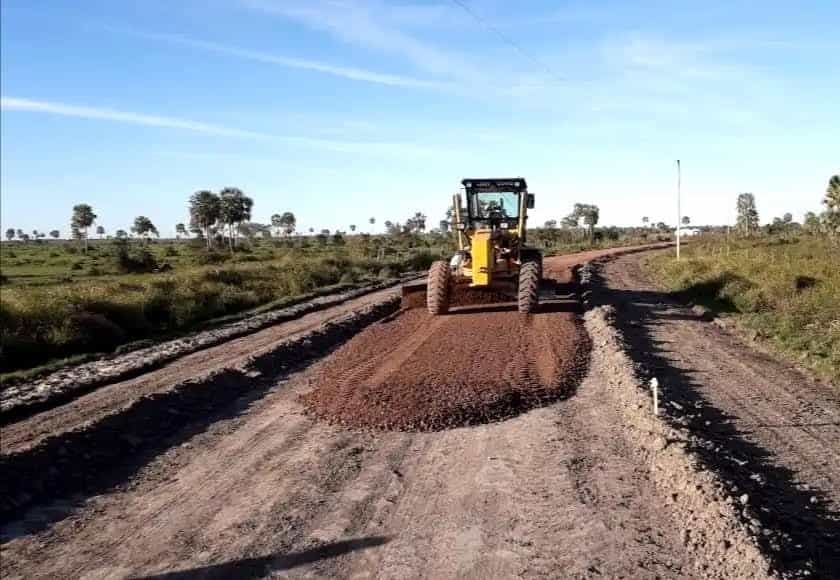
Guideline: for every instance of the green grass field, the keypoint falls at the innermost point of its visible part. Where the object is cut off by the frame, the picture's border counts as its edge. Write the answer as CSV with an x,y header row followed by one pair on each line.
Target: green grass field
x,y
784,291
57,302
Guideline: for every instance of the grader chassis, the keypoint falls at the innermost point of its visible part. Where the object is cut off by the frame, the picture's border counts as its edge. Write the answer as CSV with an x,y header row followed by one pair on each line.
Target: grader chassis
x,y
492,252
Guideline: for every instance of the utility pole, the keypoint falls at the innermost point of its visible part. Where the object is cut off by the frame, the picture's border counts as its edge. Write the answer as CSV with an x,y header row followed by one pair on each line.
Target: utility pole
x,y
679,209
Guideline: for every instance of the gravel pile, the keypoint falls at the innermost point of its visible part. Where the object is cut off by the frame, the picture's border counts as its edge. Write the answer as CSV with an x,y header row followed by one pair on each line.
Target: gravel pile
x,y
416,372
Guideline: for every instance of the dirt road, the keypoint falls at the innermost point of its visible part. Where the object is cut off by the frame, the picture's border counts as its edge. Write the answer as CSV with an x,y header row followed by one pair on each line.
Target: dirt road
x,y
780,429
579,486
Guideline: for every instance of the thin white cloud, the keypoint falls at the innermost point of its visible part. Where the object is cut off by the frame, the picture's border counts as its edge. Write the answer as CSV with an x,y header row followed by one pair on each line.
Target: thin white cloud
x,y
352,73
376,148
66,110
373,25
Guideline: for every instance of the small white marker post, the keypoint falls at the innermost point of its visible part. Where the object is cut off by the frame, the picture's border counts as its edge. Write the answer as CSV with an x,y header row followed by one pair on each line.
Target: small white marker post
x,y
654,387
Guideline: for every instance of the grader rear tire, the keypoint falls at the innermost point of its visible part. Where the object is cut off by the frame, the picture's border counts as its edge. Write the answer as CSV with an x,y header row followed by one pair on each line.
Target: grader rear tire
x,y
437,293
529,286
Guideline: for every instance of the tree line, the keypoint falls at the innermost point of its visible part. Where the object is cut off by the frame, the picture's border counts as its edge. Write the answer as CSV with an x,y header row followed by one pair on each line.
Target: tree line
x,y
215,217
828,221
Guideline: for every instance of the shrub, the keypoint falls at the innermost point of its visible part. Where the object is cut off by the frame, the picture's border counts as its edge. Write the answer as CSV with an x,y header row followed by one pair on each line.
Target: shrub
x,y
91,331
134,260
211,257
224,276
420,260
387,272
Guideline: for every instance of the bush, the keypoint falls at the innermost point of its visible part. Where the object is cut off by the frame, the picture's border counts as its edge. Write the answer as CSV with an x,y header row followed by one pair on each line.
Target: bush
x,y
134,260
206,257
386,273
94,332
420,260
224,276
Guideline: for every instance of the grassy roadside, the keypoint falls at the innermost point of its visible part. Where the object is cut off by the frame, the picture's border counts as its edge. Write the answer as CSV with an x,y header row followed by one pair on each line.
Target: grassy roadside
x,y
33,373
784,292
44,324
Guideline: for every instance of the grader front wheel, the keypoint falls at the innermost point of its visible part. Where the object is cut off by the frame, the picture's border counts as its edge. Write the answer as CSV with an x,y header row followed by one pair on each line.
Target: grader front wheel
x,y
437,294
529,286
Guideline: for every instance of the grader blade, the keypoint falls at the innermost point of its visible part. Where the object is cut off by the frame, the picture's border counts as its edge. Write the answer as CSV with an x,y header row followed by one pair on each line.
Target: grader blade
x,y
414,294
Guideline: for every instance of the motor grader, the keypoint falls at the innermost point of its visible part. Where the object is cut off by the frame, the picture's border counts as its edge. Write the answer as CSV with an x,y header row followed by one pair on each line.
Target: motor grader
x,y
492,254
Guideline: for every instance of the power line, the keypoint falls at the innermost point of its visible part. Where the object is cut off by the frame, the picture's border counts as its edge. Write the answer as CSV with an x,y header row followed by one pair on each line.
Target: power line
x,y
507,39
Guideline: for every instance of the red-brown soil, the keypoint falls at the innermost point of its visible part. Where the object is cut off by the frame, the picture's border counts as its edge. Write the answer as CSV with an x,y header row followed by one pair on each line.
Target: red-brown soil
x,y
474,365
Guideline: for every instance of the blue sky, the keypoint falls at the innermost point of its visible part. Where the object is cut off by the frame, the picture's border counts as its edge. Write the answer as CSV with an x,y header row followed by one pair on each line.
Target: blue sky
x,y
342,110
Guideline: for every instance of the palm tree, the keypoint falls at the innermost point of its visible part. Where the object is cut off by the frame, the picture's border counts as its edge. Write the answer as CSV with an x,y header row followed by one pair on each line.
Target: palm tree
x,y
371,221
234,208
832,203
55,234
181,230
352,227
100,231
10,234
204,212
83,217
645,221
143,226
747,213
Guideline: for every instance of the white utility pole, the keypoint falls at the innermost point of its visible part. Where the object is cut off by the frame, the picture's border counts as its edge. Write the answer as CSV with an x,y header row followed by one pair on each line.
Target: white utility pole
x,y
679,209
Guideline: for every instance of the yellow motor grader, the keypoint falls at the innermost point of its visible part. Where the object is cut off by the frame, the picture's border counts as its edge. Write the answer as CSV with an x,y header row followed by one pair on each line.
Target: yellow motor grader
x,y
491,252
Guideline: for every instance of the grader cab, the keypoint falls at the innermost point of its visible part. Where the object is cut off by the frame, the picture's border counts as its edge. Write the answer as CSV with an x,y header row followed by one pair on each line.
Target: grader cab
x,y
492,252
